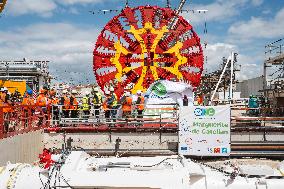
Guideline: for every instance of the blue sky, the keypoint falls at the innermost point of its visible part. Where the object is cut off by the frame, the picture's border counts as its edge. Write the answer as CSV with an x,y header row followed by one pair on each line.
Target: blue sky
x,y
64,32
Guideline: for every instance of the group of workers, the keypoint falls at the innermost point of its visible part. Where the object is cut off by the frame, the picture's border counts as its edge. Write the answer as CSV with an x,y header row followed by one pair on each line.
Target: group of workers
x,y
68,105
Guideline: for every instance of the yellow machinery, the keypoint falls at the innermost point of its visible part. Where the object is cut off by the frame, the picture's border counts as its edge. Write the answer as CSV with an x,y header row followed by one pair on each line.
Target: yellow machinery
x,y
13,85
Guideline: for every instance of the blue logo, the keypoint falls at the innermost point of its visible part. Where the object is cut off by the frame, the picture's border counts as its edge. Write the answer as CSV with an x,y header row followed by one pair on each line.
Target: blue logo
x,y
204,111
183,148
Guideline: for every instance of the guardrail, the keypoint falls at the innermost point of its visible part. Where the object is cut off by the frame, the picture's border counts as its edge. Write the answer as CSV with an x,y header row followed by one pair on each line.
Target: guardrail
x,y
18,119
160,114
274,48
21,119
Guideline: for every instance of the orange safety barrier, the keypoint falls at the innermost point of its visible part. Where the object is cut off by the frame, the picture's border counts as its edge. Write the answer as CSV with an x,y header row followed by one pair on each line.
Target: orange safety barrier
x,y
23,119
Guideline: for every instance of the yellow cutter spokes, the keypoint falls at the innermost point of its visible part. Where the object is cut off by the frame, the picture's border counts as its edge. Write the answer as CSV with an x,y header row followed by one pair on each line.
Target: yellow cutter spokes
x,y
137,34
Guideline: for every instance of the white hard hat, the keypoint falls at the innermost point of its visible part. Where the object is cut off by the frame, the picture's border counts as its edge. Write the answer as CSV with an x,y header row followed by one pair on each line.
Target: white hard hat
x,y
96,89
64,91
111,89
2,89
73,91
5,89
87,93
139,92
107,92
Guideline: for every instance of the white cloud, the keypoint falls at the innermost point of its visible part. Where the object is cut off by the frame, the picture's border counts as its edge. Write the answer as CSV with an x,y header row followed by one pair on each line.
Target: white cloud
x,y
258,27
257,2
44,8
215,53
40,7
249,65
68,47
71,2
219,10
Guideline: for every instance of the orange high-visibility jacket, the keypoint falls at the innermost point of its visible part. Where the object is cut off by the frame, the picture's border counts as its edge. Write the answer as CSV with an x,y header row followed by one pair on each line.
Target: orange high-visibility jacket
x,y
66,104
105,105
3,99
54,101
74,104
140,103
199,100
41,100
126,106
4,103
29,101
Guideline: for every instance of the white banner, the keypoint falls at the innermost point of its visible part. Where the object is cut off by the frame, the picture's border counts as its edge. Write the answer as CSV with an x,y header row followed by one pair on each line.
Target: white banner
x,y
205,130
162,97
165,92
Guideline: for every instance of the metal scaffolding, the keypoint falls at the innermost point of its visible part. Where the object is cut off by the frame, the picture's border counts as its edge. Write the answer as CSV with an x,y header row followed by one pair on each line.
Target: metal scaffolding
x,y
220,80
35,73
273,73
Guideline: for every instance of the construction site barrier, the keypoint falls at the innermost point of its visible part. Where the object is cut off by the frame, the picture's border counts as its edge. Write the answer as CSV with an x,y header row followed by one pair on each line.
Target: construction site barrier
x,y
17,119
161,114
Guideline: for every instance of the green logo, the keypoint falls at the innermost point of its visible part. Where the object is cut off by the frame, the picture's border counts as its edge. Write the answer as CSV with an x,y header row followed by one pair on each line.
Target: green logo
x,y
159,89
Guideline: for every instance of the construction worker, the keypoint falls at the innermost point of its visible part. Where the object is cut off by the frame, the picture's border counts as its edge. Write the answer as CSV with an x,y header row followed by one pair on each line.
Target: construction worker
x,y
112,103
140,105
73,104
126,103
42,102
200,100
15,97
54,109
86,104
28,101
185,101
65,102
97,101
106,106
28,98
41,99
5,101
5,98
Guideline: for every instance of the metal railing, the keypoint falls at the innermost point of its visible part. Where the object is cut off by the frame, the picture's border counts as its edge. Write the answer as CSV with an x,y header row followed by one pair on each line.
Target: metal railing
x,y
111,117
274,49
16,119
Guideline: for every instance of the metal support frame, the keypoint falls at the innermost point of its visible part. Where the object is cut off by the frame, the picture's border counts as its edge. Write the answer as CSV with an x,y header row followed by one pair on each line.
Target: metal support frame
x,y
229,60
181,4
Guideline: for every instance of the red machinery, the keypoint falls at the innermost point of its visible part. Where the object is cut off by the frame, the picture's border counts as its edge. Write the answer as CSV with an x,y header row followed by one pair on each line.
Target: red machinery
x,y
144,44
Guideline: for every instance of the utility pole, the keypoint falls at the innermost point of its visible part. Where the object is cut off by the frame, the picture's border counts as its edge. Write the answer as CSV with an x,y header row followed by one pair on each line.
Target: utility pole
x,y
232,73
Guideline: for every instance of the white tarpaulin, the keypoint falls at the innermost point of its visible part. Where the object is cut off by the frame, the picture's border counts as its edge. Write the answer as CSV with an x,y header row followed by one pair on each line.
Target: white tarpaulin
x,y
204,130
164,95
164,91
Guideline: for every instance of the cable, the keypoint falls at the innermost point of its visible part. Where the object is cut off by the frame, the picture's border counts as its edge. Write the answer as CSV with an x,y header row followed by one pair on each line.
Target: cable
x,y
157,163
